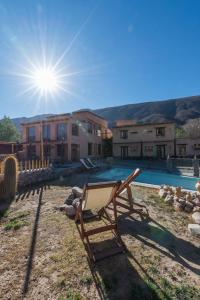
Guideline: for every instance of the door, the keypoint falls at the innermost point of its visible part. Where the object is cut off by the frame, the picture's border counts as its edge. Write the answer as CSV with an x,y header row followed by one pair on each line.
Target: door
x,y
124,152
75,155
161,151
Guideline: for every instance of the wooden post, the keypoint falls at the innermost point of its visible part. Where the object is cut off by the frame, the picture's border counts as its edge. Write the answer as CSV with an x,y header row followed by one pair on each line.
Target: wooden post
x,y
41,142
130,197
29,165
25,167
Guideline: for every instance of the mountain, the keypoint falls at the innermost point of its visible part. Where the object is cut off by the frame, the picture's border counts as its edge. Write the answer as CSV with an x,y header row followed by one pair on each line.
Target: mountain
x,y
177,110
19,121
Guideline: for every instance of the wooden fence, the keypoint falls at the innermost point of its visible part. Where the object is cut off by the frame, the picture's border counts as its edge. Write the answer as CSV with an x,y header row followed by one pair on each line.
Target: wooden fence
x,y
28,165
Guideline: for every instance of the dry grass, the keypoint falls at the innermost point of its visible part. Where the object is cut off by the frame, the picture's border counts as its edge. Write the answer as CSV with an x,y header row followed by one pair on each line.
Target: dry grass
x,y
46,259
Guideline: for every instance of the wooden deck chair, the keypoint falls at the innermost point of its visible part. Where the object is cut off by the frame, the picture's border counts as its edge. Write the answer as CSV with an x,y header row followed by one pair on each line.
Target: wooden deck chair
x,y
96,196
125,187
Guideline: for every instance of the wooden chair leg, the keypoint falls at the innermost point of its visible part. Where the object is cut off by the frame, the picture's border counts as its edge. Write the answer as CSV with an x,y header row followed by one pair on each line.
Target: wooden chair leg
x,y
130,197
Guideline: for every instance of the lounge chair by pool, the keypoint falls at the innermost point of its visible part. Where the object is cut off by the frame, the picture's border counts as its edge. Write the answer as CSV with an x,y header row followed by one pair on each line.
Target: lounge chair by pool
x,y
91,163
86,164
125,188
97,196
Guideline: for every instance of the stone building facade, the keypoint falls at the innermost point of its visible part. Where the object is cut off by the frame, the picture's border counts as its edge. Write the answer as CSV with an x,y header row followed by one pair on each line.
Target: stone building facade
x,y
65,137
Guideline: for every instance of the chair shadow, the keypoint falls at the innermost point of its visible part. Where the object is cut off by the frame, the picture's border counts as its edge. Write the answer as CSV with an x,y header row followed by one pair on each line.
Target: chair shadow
x,y
155,235
116,278
25,195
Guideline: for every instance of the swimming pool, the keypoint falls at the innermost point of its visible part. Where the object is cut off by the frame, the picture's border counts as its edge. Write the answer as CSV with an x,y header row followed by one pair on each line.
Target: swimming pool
x,y
147,176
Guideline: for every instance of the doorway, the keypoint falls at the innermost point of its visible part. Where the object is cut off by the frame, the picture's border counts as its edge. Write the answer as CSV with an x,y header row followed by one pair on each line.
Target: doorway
x,y
75,153
161,153
124,152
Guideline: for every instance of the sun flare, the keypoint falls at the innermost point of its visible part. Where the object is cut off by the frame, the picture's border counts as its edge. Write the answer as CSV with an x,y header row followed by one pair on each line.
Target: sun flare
x,y
46,80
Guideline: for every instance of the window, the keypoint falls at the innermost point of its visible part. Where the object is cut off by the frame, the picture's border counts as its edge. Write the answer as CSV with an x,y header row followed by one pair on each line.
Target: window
x,y
31,151
75,130
62,131
133,148
99,149
47,150
46,132
60,150
31,134
196,147
89,148
89,127
123,134
95,149
160,131
97,130
148,148
182,150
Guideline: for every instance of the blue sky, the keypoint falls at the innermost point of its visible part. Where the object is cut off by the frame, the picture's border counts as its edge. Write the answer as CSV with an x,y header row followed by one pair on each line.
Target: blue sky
x,y
117,52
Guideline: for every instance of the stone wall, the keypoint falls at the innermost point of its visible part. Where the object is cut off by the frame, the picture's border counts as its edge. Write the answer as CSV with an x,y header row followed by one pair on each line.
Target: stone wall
x,y
35,176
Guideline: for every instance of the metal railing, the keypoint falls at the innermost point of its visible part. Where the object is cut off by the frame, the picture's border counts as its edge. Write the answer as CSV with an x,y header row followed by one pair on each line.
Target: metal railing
x,y
182,162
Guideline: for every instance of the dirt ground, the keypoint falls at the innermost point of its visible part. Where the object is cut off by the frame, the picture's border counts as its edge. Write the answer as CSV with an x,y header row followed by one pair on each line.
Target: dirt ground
x,y
44,257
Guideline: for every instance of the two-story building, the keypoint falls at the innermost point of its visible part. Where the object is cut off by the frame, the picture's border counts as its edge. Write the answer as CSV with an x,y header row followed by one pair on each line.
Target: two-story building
x,y
65,137
134,140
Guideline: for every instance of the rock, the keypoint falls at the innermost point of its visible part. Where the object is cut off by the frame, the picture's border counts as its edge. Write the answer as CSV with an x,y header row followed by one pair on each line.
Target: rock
x,y
197,186
188,197
194,229
196,217
194,195
76,202
188,206
70,199
162,193
63,207
169,199
178,206
70,210
165,188
182,201
78,192
178,191
176,198
196,201
196,208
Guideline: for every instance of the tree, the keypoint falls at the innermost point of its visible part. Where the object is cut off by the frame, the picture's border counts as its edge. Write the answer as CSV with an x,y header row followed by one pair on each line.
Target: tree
x,y
180,132
8,131
192,128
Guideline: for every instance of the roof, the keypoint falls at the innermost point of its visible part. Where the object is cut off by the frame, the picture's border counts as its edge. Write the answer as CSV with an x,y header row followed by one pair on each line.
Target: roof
x,y
7,143
68,115
88,111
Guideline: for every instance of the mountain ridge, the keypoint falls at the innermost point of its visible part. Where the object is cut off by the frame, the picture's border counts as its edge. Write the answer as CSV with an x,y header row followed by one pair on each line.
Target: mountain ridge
x,y
178,110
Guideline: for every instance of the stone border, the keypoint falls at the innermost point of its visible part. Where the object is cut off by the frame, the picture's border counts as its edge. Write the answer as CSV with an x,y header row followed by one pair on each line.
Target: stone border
x,y
153,186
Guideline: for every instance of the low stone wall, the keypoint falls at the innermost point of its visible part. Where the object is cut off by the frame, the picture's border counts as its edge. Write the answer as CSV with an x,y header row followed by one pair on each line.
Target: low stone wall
x,y
35,176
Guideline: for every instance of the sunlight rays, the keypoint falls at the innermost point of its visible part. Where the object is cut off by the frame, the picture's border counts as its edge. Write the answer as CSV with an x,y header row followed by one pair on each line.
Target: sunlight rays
x,y
43,68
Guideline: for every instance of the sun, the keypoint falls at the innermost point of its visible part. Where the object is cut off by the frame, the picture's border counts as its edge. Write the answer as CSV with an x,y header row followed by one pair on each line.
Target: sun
x,y
45,80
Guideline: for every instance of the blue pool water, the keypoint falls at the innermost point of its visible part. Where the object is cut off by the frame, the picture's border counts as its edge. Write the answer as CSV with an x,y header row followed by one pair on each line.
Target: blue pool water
x,y
147,176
